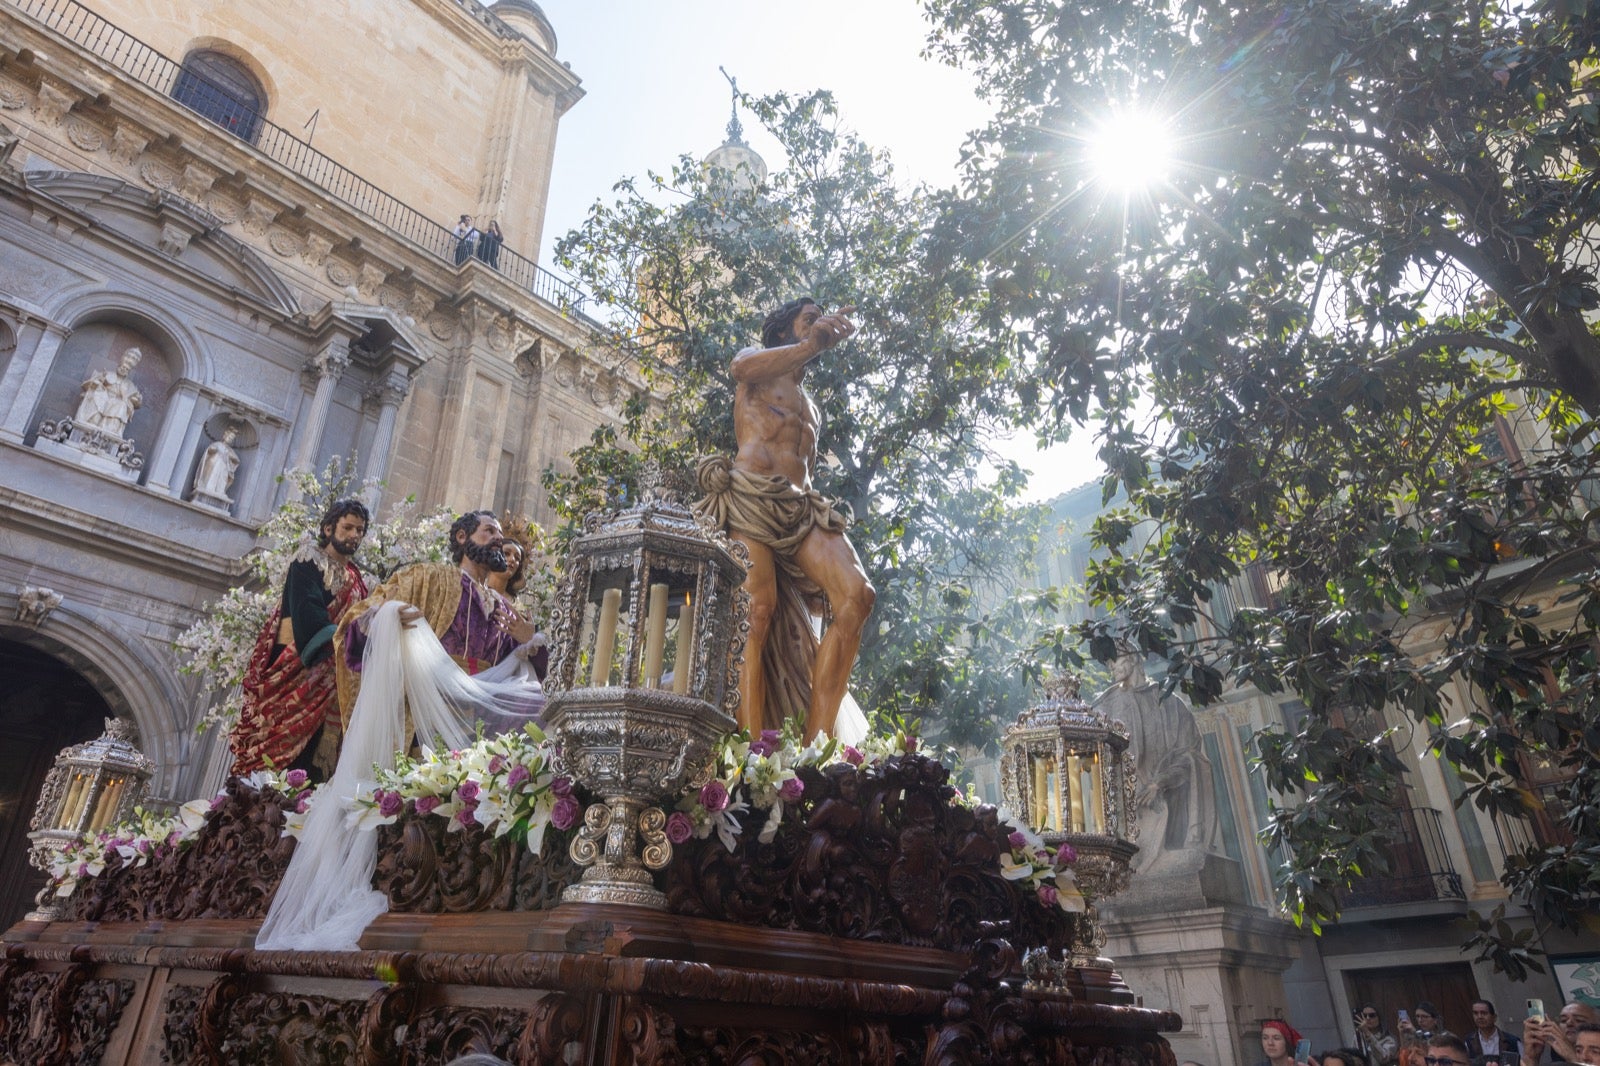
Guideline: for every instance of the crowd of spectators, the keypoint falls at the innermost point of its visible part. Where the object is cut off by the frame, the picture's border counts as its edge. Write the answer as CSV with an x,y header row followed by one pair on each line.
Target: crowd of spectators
x,y
1422,1037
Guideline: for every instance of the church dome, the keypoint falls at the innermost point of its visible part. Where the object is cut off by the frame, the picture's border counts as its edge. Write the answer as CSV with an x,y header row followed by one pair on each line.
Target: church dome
x,y
528,19
743,163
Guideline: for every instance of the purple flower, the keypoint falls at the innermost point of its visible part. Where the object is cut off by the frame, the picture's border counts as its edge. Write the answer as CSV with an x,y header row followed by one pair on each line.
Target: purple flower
x,y
772,736
496,764
679,827
218,800
468,790
517,776
791,789
295,778
565,814
1016,839
762,747
302,805
853,756
714,796
911,744
466,817
390,804
1047,895
172,838
426,804
83,869
1066,855
143,847
561,787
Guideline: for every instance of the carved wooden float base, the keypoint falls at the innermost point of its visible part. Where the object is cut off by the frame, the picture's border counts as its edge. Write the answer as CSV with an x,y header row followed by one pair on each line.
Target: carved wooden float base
x,y
581,983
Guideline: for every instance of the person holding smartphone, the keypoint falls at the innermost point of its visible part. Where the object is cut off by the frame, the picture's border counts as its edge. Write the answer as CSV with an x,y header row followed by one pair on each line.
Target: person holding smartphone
x,y
1380,1048
1279,1040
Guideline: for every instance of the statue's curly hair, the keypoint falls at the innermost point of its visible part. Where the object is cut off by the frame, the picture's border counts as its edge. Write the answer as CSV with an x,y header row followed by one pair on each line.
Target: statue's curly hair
x,y
777,329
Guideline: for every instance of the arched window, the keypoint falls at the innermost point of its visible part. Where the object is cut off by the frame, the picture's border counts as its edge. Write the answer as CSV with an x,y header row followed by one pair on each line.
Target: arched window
x,y
221,89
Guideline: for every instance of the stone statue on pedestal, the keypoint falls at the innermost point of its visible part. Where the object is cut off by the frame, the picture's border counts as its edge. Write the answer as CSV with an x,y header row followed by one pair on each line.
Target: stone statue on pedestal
x,y
217,468
109,397
1174,798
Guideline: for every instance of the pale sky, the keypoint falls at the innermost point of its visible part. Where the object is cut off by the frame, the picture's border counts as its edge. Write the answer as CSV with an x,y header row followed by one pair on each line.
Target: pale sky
x,y
654,92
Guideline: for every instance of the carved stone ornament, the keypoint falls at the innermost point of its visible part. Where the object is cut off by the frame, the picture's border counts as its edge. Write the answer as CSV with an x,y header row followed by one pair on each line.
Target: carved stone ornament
x,y
371,279
259,215
441,325
53,104
174,239
12,95
85,134
340,273
283,242
318,245
157,175
194,182
128,143
34,605
227,210
391,297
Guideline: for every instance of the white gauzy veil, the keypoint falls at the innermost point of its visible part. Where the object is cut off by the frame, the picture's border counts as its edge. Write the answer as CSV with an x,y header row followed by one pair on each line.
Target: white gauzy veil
x,y
326,899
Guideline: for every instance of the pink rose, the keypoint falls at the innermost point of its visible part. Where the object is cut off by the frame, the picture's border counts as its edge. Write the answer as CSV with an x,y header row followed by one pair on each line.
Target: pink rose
x,y
565,814
496,764
219,800
791,789
714,796
390,803
466,817
468,790
561,786
1066,855
853,755
911,744
517,776
1016,839
172,838
679,827
302,805
426,804
1047,895
295,778
762,747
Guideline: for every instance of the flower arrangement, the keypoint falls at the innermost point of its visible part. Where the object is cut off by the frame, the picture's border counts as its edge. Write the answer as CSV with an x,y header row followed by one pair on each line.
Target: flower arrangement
x,y
505,784
508,785
148,835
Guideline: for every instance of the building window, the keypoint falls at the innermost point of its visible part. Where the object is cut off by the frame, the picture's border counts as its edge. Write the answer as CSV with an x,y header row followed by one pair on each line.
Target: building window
x,y
219,88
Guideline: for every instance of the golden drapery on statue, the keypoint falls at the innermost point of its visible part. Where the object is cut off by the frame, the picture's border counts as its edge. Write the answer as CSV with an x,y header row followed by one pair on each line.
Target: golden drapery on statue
x,y
772,510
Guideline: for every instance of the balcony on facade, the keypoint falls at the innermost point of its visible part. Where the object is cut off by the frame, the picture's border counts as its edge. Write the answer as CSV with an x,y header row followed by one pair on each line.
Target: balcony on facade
x,y
1542,827
222,104
1421,875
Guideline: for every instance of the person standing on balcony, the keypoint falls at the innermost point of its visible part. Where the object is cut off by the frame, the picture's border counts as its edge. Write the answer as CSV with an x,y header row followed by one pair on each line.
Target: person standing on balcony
x,y
489,244
467,236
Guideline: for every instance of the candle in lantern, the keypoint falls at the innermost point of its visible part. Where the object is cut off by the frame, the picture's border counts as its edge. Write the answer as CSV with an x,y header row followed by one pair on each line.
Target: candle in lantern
x,y
1089,785
680,662
72,807
605,637
98,818
655,638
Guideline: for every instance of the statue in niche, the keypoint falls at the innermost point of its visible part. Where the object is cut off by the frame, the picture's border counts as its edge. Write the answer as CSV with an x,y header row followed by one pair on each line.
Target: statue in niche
x,y
109,397
1174,800
217,467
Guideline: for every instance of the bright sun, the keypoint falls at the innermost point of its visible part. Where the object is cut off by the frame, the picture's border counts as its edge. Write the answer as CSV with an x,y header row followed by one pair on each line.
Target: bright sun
x,y
1131,151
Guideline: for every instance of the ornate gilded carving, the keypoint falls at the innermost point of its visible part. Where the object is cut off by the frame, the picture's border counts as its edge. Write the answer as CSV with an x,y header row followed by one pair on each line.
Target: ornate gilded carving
x,y
62,1017
882,855
231,870
445,1033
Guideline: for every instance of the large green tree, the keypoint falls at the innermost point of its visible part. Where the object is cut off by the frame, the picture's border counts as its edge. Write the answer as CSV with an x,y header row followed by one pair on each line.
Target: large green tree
x,y
686,264
1373,249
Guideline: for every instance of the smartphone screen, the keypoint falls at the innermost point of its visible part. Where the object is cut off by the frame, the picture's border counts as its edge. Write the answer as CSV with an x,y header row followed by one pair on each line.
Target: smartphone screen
x,y
1405,1017
1302,1050
1536,1009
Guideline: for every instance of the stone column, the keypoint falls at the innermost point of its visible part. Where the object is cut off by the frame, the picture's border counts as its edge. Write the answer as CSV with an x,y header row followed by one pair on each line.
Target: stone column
x,y
168,450
26,375
388,395
328,365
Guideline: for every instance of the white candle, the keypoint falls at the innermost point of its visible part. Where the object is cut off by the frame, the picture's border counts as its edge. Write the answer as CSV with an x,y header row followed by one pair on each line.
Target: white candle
x,y
655,638
606,637
680,663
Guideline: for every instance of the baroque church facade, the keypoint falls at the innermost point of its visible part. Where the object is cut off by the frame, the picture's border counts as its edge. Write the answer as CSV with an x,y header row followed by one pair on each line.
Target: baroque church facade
x,y
290,302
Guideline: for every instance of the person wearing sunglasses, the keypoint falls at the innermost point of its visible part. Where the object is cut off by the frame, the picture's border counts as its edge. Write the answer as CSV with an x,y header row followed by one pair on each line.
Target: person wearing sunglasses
x,y
1446,1049
1377,1044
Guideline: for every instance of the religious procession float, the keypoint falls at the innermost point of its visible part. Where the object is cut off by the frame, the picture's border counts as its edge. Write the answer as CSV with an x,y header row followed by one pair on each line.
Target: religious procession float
x,y
635,880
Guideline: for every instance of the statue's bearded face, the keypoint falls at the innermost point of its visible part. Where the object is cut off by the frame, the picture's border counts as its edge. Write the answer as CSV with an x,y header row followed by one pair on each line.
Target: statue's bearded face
x,y
484,546
347,534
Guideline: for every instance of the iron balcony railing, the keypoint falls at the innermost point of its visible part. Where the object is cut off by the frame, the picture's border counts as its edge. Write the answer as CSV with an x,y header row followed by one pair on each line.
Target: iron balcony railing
x,y
1541,827
1420,867
149,67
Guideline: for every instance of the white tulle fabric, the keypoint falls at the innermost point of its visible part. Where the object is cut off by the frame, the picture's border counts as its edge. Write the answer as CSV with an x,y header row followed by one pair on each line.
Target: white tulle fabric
x,y
326,900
